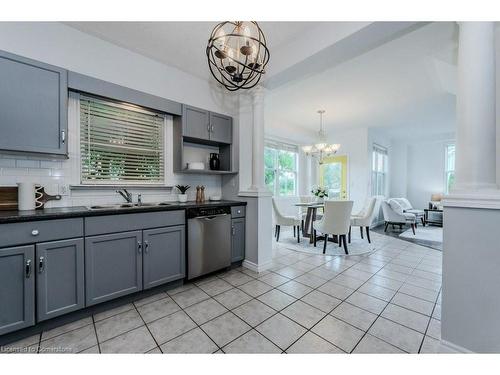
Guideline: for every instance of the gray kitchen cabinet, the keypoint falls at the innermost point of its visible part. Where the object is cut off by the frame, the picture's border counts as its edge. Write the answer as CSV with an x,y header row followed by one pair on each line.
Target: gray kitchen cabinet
x,y
33,106
221,128
60,285
238,240
164,255
196,123
113,266
17,288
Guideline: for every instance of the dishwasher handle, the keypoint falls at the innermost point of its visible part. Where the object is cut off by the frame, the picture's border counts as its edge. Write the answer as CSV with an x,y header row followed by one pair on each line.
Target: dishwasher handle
x,y
210,217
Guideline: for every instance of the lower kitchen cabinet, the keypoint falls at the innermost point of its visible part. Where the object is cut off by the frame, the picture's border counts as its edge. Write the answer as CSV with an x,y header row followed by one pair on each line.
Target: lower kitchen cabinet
x,y
17,288
238,240
60,278
113,266
164,255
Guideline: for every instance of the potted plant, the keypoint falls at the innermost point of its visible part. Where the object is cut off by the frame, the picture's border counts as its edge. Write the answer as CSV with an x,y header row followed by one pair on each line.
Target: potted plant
x,y
182,197
320,193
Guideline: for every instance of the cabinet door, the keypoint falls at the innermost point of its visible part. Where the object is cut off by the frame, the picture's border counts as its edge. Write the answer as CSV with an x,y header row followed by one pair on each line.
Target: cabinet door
x,y
113,266
196,123
60,278
17,288
33,106
164,255
238,242
221,128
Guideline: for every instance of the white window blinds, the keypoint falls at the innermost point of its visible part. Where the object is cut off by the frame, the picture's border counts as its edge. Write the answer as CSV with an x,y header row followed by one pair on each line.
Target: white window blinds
x,y
120,143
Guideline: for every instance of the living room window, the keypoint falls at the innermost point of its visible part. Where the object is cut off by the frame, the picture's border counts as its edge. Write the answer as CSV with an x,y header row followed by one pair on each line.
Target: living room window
x,y
120,143
379,170
449,177
280,162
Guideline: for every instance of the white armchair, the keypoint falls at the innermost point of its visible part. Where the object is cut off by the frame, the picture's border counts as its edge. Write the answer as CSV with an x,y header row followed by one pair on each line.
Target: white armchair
x,y
285,219
365,217
394,215
335,221
408,208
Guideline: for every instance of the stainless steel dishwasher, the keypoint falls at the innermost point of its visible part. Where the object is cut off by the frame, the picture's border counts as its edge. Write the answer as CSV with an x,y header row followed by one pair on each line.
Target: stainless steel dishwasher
x,y
209,240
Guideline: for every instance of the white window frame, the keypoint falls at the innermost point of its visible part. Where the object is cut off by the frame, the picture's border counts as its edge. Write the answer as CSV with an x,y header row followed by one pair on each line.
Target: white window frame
x,y
165,175
447,169
375,173
281,146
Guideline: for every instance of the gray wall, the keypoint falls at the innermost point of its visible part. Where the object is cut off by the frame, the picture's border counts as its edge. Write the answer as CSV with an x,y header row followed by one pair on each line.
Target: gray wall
x,y
471,279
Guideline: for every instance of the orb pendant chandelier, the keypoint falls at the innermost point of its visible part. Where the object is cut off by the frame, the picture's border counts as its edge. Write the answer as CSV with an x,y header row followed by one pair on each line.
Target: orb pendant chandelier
x,y
237,54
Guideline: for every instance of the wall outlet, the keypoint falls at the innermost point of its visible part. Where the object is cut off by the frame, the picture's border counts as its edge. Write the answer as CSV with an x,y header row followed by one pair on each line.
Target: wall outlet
x,y
63,189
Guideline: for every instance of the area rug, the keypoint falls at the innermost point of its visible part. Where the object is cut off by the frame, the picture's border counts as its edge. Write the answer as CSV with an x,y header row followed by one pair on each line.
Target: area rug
x,y
429,233
356,247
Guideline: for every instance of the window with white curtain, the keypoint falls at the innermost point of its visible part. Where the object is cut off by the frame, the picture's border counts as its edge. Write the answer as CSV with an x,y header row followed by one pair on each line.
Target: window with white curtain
x,y
280,162
120,143
379,170
449,173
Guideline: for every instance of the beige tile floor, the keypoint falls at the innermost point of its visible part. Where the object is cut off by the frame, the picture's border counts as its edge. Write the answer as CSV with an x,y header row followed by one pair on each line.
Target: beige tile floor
x,y
384,301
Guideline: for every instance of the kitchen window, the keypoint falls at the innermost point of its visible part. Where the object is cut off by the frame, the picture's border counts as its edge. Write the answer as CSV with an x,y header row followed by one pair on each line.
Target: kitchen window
x,y
379,170
120,143
449,174
280,161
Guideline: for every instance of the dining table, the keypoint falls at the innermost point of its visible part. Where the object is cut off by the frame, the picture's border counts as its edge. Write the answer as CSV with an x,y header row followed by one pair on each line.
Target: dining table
x,y
312,210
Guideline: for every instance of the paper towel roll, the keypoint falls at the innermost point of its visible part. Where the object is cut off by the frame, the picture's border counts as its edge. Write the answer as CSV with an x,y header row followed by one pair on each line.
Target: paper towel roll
x,y
25,196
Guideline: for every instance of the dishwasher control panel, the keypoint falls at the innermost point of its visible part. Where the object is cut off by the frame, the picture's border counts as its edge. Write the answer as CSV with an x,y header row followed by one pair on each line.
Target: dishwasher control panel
x,y
207,211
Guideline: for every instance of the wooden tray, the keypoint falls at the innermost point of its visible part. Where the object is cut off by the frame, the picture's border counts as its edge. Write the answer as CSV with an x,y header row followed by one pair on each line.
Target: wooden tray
x,y
8,198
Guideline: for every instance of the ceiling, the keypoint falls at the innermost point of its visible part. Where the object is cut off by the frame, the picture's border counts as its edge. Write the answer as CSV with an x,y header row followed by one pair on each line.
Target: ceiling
x,y
404,86
181,44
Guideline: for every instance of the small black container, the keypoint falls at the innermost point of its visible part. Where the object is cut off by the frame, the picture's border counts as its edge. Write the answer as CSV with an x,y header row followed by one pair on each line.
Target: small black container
x,y
214,162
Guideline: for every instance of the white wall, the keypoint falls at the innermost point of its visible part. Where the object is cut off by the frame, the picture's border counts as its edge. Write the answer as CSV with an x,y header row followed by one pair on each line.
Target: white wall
x,y
61,45
417,168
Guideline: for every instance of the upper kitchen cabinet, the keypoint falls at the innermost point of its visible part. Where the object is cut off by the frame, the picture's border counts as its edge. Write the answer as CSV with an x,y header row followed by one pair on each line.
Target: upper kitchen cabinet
x,y
201,125
221,128
33,106
195,123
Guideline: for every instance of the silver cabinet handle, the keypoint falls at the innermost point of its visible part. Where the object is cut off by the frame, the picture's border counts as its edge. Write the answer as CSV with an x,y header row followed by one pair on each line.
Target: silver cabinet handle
x,y
41,264
232,230
146,246
208,128
63,136
28,268
35,232
139,247
212,128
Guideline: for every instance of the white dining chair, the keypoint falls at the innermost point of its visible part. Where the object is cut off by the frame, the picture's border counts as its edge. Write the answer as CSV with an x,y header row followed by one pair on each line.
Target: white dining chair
x,y
336,221
365,217
281,219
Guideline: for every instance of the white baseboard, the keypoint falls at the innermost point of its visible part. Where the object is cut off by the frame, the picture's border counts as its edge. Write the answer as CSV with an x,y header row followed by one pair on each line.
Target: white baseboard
x,y
256,267
458,348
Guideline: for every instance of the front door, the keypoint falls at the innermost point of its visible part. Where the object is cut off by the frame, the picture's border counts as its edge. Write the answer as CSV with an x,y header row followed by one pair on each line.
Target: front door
x,y
333,176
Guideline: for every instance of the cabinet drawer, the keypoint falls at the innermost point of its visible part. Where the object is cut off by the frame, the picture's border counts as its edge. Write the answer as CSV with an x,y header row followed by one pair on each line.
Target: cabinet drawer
x,y
40,231
127,222
238,211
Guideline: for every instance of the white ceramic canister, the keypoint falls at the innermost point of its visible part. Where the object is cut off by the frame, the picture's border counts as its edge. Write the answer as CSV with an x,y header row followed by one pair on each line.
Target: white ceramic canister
x,y
25,196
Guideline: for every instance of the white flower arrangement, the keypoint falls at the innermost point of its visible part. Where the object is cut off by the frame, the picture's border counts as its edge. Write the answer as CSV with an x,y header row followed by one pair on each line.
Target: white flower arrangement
x,y
320,192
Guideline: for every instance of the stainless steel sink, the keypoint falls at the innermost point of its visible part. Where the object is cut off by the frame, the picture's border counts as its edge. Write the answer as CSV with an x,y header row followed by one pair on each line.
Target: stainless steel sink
x,y
126,205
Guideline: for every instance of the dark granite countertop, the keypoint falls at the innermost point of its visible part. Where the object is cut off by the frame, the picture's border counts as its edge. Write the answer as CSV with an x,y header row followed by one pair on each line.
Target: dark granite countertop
x,y
82,211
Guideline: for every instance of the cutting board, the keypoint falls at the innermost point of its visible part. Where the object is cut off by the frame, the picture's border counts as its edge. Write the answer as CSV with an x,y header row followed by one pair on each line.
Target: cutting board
x,y
8,198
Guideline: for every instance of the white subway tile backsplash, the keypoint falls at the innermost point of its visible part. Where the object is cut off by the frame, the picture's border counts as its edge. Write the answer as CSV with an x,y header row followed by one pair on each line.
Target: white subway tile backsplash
x,y
15,172
50,164
7,163
27,163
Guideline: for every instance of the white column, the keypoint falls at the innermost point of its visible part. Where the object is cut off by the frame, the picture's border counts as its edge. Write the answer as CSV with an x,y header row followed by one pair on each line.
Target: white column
x,y
476,129
258,141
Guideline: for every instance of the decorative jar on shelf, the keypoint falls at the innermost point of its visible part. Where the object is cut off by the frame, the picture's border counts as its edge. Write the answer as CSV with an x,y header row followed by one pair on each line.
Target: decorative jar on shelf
x,y
214,162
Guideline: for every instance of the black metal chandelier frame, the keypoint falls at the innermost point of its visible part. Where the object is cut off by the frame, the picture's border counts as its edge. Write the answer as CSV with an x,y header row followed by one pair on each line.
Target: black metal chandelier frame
x,y
230,76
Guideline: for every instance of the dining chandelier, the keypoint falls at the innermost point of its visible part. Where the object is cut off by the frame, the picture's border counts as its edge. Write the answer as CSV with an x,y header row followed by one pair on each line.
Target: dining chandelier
x,y
322,149
237,54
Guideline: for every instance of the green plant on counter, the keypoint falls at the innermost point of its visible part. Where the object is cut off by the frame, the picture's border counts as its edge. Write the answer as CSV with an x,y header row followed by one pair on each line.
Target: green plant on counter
x,y
182,188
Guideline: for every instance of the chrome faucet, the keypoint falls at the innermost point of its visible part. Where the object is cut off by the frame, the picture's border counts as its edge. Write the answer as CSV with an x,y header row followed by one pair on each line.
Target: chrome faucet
x,y
139,199
125,194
